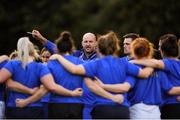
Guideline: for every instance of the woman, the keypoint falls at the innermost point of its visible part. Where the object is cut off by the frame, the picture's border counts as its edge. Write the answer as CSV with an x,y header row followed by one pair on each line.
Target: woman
x,y
111,70
29,73
168,47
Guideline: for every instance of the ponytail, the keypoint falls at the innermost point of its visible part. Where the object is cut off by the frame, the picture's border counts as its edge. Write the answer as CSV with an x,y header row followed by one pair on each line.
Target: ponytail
x,y
24,47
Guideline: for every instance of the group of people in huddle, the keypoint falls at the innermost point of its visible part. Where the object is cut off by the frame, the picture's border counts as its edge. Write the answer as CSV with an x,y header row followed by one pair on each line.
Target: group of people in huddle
x,y
91,83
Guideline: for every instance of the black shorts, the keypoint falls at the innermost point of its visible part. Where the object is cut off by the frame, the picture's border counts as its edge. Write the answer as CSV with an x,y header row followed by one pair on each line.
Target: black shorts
x,y
65,110
110,112
26,113
170,111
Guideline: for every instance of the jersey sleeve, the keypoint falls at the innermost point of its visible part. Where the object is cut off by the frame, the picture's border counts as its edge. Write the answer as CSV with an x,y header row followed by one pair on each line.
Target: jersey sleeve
x,y
132,69
51,47
167,65
9,67
3,63
90,68
43,70
131,80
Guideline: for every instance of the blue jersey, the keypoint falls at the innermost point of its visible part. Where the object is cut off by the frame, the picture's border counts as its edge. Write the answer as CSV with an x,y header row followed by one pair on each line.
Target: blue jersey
x,y
150,91
30,77
111,70
172,68
65,79
2,86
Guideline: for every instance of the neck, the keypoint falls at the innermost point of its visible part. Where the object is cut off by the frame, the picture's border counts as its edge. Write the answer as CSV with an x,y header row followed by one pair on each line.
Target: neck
x,y
88,54
30,59
66,53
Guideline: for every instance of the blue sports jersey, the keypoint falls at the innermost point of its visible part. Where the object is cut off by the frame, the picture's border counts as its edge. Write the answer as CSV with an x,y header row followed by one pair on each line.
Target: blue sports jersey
x,y
150,90
111,70
65,79
2,86
172,68
30,77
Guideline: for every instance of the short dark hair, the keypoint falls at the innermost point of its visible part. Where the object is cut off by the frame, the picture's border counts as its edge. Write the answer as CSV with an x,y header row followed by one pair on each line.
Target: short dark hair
x,y
131,35
169,45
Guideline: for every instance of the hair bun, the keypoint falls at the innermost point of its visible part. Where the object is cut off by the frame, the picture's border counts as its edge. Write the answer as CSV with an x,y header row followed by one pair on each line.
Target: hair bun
x,y
65,35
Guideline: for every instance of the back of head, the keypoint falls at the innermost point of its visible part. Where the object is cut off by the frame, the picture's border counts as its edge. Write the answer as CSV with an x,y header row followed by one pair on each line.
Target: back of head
x,y
142,48
133,36
108,44
168,44
65,42
25,50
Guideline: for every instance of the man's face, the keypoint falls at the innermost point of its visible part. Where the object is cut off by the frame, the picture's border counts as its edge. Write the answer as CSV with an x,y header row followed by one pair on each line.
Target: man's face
x,y
127,45
89,43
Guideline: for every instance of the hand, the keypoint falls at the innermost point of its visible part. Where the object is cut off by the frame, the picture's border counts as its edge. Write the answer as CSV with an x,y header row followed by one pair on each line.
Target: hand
x,y
34,90
54,57
77,92
21,103
178,98
37,35
118,98
98,82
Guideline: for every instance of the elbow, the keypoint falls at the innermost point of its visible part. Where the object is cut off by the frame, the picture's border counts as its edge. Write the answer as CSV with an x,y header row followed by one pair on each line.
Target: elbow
x,y
9,84
51,88
171,92
125,90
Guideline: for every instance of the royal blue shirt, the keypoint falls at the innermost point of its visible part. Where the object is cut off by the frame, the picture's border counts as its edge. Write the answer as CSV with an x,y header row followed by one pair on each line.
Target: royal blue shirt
x,y
172,68
150,91
2,86
30,77
111,70
65,79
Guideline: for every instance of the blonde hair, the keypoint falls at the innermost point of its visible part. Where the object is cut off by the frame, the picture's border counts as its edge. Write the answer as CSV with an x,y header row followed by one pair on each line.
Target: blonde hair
x,y
25,50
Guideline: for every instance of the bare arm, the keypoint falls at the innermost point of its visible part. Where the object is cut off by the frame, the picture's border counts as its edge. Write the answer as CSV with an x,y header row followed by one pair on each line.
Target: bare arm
x,y
145,72
24,102
37,35
3,58
49,83
117,88
174,91
72,68
18,87
150,63
101,92
4,75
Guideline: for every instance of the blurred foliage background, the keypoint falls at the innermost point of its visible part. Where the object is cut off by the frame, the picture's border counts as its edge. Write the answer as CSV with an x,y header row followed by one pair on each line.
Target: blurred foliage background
x,y
149,18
